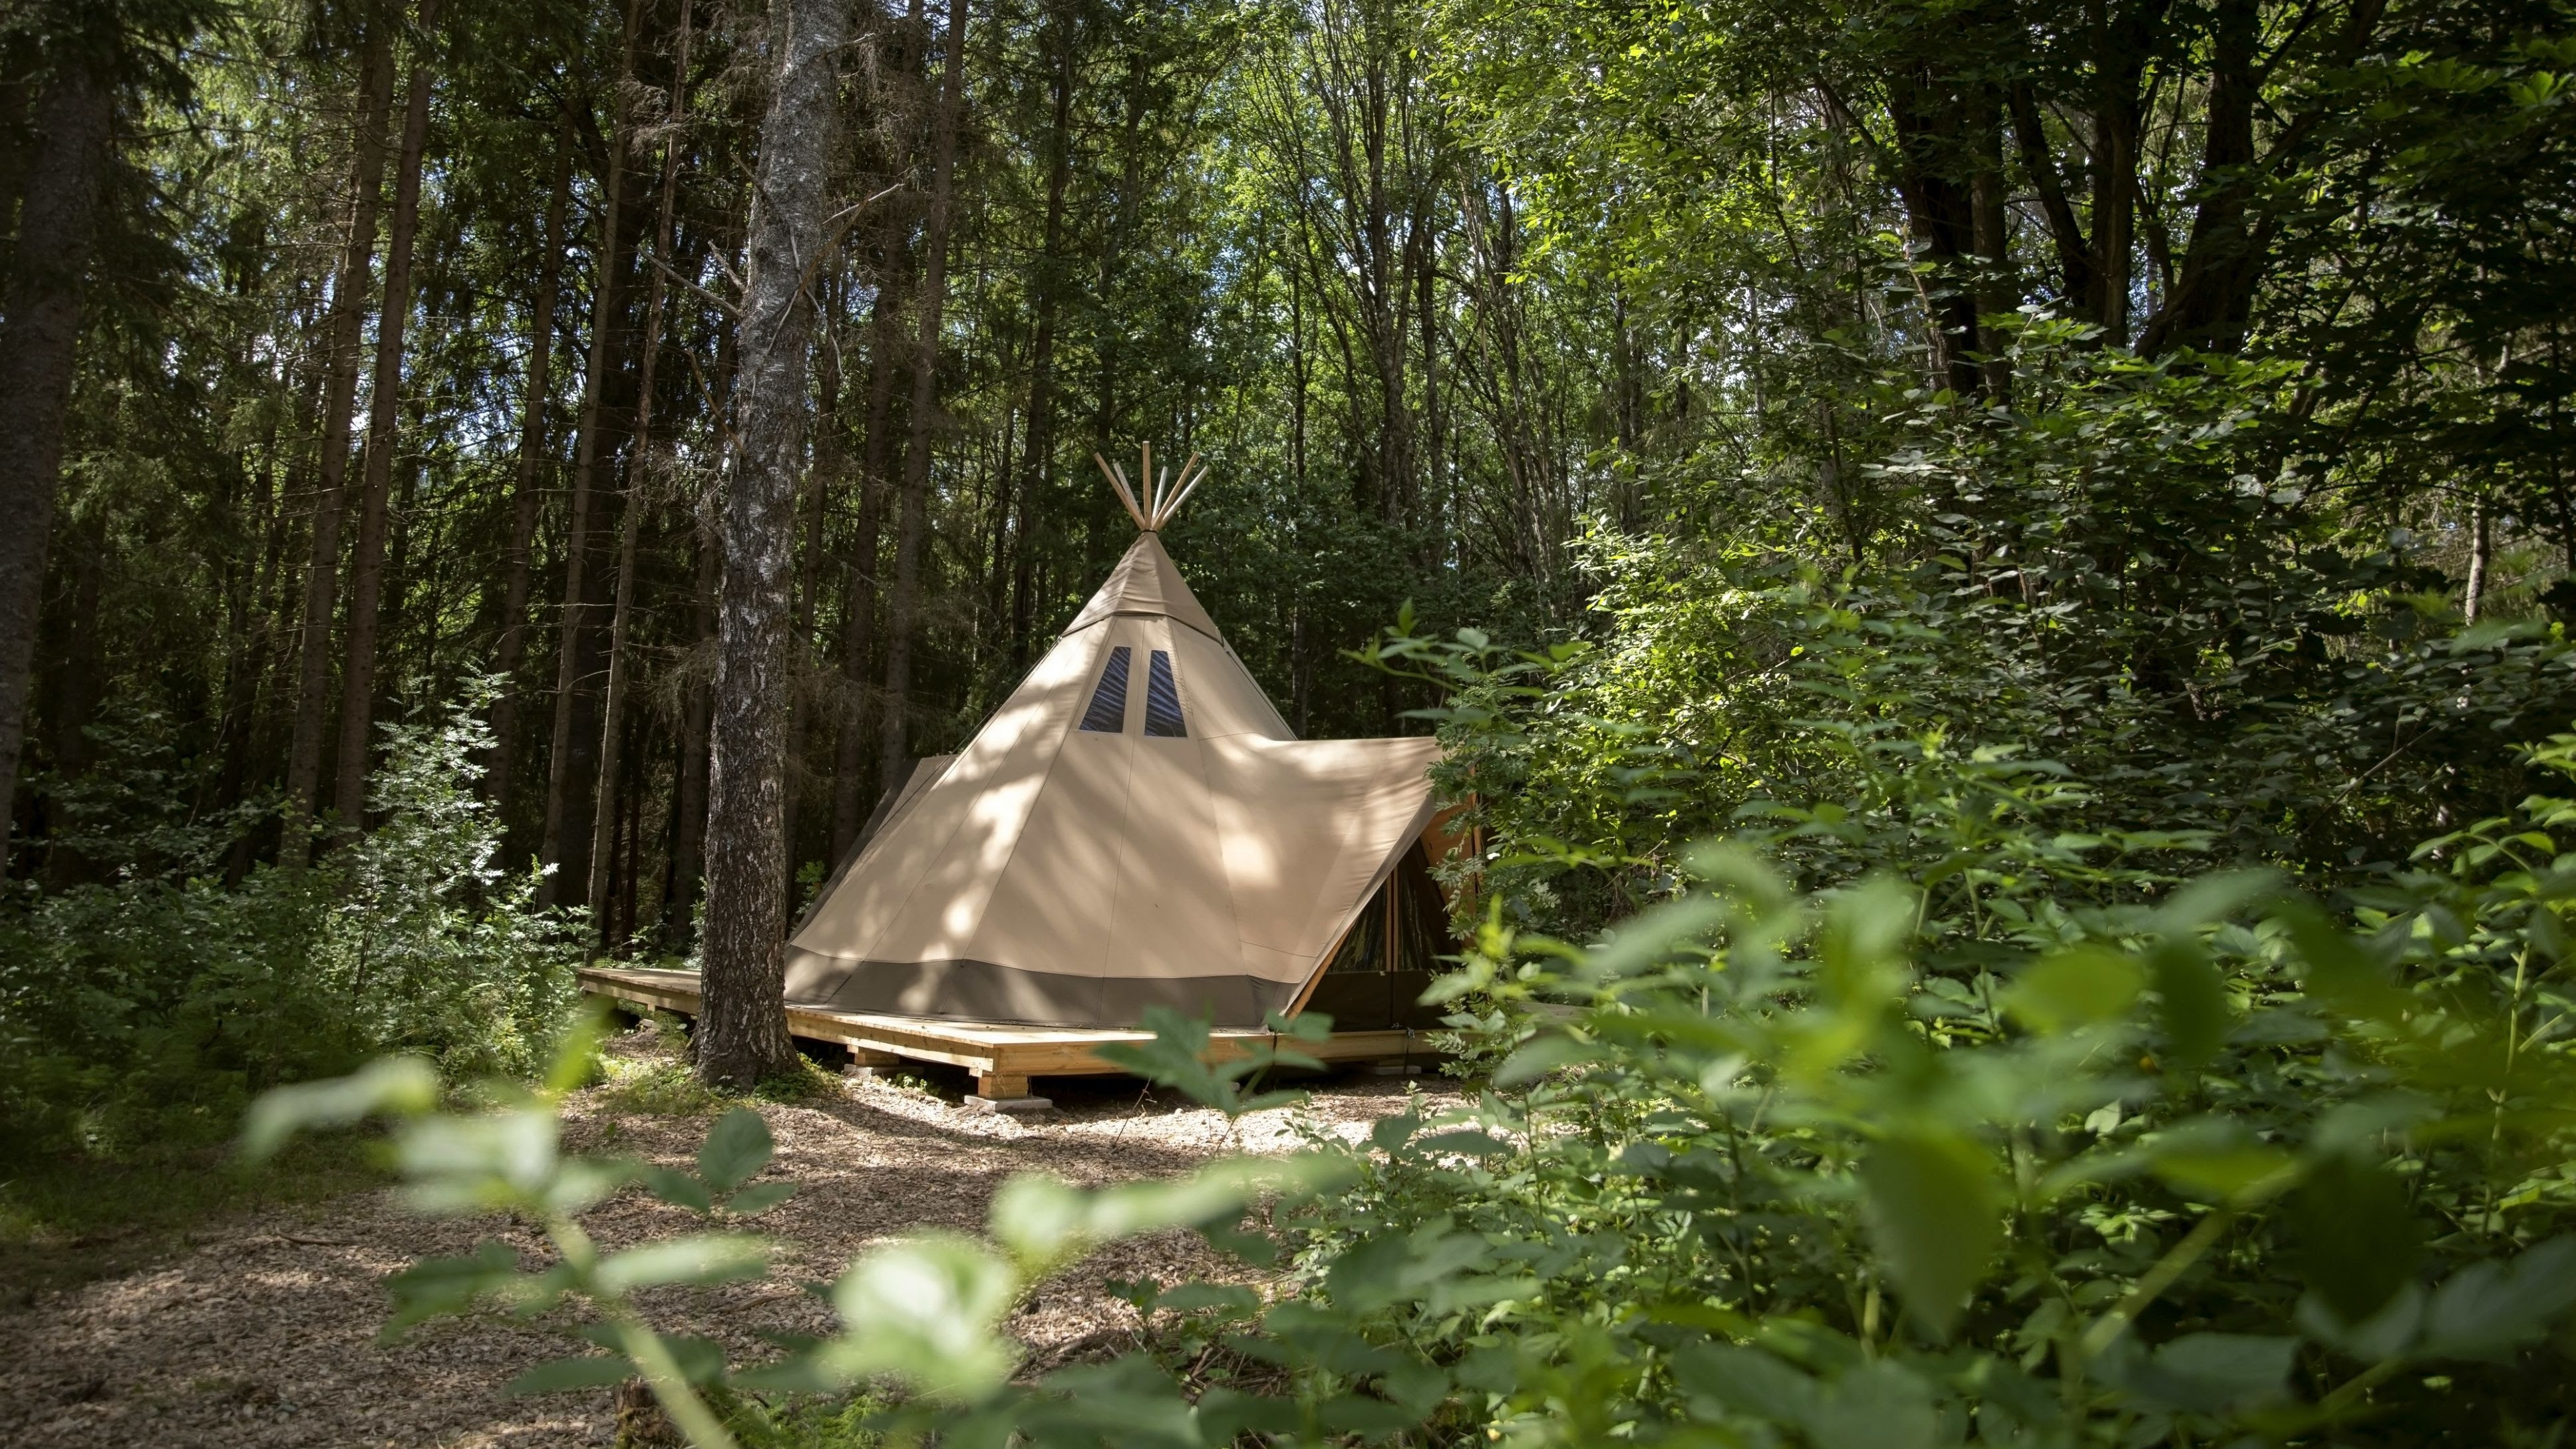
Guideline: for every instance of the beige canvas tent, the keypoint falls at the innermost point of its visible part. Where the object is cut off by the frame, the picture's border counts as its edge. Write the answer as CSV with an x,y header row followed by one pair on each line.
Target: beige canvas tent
x,y
1137,826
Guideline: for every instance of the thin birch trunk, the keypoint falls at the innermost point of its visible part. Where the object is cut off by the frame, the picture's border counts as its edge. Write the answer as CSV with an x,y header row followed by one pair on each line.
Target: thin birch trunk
x,y
742,1027
322,572
638,476
2481,556
367,563
894,760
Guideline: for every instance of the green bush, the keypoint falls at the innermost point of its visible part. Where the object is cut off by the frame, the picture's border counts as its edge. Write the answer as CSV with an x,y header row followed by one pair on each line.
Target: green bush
x,y
152,1008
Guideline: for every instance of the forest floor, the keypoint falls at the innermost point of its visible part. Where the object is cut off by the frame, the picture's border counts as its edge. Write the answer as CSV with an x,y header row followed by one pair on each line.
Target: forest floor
x,y
261,1329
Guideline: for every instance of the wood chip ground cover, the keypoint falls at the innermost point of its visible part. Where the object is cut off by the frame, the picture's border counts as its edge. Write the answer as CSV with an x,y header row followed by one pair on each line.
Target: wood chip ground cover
x,y
263,1332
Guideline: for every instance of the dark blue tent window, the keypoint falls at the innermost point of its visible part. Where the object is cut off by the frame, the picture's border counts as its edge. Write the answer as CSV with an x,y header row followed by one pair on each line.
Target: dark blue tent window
x,y
1108,712
1162,701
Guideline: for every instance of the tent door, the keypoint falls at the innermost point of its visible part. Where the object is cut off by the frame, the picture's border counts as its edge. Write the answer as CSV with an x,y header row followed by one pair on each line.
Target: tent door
x,y
1391,953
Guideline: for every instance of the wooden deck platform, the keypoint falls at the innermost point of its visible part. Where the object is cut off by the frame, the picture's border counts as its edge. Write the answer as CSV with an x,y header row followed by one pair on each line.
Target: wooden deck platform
x,y
1002,1057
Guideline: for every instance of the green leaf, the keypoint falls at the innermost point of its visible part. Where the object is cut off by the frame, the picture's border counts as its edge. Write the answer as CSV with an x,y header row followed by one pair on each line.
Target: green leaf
x,y
576,1055
1539,1058
1042,1220
737,1147
2205,1373
679,1189
2221,1162
2358,1243
751,1202
1231,1300
2489,1307
1745,1383
1465,1143
2192,1001
588,1371
696,1258
436,1287
923,1311
1391,1133
2075,988
1880,1405
397,1085
701,1361
468,1164
1935,1212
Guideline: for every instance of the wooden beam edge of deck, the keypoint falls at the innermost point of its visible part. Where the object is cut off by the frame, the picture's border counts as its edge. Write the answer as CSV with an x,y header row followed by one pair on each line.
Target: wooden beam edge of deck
x,y
987,1051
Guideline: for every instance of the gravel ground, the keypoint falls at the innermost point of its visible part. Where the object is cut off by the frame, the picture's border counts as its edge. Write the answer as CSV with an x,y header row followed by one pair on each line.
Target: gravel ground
x,y
264,1332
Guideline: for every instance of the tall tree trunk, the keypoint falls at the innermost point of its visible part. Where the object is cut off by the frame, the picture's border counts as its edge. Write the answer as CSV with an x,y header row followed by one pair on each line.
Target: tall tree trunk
x,y
894,760
688,847
742,1028
825,473
2213,299
527,491
604,302
850,773
639,465
689,790
2124,38
349,291
1994,289
367,563
1048,293
39,339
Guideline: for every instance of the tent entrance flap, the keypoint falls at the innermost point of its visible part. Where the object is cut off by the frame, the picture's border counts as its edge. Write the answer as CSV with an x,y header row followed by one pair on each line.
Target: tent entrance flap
x,y
1389,956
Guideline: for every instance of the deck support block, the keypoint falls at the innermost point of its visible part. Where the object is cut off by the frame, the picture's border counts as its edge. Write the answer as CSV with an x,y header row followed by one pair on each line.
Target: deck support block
x,y
1005,1092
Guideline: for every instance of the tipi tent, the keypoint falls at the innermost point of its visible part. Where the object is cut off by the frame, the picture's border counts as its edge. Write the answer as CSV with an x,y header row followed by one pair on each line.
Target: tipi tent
x,y
1136,826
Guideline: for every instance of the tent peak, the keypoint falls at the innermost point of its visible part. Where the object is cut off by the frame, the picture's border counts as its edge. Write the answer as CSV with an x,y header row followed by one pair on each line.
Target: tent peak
x,y
1163,496
1145,582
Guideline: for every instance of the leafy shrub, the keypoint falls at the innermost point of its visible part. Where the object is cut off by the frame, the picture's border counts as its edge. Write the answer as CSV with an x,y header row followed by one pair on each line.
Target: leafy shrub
x,y
153,1007
2112,640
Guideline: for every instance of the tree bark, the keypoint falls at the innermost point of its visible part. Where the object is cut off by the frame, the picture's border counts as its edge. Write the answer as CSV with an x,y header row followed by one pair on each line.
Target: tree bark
x,y
2213,298
1048,289
742,1028
604,304
367,563
527,492
894,760
39,344
603,853
689,790
826,472
349,291
2481,556
850,773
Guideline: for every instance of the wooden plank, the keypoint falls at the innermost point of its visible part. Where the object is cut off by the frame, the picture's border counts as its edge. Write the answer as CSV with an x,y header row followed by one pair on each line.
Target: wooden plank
x,y
988,1049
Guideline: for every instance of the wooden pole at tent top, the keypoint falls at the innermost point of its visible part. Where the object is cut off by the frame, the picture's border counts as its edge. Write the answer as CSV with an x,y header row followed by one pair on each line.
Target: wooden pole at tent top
x,y
1163,496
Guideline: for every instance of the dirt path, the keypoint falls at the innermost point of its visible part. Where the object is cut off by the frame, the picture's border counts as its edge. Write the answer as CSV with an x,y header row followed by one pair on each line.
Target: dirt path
x,y
264,1333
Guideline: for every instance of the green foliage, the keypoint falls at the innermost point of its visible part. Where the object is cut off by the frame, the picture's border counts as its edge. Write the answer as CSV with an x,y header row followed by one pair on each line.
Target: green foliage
x,y
150,1009
1781,1168
2113,668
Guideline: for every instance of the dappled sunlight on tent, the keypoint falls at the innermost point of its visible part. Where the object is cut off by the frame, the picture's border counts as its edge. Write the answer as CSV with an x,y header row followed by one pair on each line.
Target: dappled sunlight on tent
x,y
1135,826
